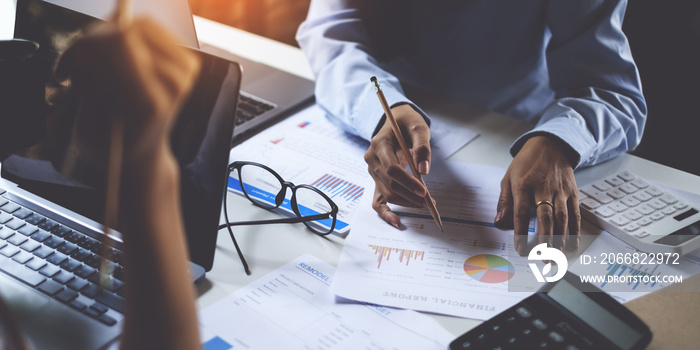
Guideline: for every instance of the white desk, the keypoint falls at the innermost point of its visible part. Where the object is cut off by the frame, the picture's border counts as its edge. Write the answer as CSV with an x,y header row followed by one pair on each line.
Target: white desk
x,y
268,247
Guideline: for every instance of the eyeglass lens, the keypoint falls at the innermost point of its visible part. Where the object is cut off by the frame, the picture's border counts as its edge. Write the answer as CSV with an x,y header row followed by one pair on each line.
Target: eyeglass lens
x,y
262,187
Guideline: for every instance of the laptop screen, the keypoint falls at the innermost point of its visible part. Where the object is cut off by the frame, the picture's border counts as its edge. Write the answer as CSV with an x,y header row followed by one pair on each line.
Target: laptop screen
x,y
200,140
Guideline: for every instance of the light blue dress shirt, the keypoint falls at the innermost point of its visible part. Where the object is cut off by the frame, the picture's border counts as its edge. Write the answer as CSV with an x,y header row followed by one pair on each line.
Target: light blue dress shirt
x,y
565,63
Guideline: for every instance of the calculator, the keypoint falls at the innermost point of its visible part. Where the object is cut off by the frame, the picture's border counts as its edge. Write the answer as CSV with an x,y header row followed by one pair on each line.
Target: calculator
x,y
565,315
642,215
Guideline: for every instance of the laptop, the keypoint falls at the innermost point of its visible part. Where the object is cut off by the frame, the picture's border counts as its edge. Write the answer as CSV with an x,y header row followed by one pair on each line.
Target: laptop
x,y
267,94
50,235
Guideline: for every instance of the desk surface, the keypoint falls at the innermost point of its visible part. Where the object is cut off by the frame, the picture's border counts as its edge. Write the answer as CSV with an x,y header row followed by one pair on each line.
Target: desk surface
x,y
268,247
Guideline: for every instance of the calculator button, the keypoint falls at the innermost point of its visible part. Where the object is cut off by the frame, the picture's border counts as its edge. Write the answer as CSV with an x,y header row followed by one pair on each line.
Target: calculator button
x,y
496,328
620,220
590,204
630,201
627,188
618,207
654,191
616,194
481,337
668,199
523,312
602,186
467,345
640,184
570,347
626,175
656,216
642,196
669,210
539,324
631,227
645,209
597,195
644,221
581,196
556,337
527,331
656,204
605,212
641,234
680,205
632,215
615,181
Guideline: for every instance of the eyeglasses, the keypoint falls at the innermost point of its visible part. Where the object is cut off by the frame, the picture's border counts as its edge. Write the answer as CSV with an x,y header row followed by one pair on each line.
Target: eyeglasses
x,y
267,190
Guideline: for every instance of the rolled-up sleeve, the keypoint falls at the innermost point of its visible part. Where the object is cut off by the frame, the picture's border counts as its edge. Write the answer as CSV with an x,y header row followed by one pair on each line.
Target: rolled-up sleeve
x,y
599,109
335,42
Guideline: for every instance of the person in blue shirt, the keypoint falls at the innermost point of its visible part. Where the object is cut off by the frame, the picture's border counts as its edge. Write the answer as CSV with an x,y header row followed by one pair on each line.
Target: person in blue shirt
x,y
565,64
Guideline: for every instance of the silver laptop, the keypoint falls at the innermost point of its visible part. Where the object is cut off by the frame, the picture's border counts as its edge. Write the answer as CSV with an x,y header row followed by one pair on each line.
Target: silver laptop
x,y
267,93
50,236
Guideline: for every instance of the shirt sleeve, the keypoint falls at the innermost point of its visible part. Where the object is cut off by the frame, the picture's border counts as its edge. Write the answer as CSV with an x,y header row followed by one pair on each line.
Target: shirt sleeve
x,y
335,41
599,109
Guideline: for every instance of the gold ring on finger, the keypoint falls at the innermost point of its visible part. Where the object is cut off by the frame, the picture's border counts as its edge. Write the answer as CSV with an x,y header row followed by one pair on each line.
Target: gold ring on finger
x,y
544,202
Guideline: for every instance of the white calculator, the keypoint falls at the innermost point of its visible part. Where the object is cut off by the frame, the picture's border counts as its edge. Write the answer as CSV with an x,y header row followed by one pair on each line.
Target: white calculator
x,y
641,214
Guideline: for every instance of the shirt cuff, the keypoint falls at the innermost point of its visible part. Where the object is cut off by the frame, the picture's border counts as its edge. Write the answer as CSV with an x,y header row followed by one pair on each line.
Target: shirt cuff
x,y
370,113
569,131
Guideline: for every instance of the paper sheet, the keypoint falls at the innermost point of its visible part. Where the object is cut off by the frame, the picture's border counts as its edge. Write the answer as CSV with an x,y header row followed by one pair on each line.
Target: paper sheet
x,y
307,148
292,308
422,268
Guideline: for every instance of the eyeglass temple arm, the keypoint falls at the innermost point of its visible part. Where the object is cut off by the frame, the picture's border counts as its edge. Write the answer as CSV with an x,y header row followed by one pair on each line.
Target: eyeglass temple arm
x,y
291,220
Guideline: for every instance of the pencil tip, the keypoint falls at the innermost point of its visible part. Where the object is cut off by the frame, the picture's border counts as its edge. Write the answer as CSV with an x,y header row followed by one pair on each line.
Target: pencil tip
x,y
373,79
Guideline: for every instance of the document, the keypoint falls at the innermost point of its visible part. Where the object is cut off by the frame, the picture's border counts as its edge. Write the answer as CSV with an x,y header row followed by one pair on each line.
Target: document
x,y
465,271
307,148
292,308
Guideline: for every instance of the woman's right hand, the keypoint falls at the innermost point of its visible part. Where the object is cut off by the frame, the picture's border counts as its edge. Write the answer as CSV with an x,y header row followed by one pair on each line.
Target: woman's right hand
x,y
387,164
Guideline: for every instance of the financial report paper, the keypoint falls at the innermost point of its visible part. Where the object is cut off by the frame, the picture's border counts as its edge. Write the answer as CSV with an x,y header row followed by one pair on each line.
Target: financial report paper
x,y
464,271
292,308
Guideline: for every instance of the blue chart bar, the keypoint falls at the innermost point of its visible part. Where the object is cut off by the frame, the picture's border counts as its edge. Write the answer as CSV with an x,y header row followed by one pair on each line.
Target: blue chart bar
x,y
216,343
337,187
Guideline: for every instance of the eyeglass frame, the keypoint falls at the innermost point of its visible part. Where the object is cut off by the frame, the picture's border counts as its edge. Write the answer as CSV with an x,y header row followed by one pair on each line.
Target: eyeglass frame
x,y
279,199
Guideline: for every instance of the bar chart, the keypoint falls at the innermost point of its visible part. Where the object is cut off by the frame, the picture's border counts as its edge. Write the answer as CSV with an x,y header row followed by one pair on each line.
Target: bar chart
x,y
404,256
337,188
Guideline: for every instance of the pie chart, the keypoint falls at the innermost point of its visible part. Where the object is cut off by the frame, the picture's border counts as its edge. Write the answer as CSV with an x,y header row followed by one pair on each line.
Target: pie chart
x,y
488,268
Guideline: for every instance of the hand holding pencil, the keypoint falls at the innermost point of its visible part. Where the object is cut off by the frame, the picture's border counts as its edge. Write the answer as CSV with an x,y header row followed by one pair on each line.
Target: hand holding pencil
x,y
387,162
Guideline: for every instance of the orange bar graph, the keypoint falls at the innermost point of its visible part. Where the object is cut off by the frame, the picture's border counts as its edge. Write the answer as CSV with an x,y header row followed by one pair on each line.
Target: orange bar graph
x,y
405,255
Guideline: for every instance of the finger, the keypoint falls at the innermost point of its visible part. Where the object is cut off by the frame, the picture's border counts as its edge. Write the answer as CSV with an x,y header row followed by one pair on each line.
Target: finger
x,y
379,205
561,222
396,194
521,217
420,147
504,209
392,172
574,237
545,219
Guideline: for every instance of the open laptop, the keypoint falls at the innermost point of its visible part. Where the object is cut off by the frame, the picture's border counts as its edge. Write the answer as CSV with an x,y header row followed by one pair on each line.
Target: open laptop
x,y
268,94
49,224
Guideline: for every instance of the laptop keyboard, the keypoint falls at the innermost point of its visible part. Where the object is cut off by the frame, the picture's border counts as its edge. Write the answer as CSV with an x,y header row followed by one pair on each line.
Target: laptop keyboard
x,y
250,107
59,261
